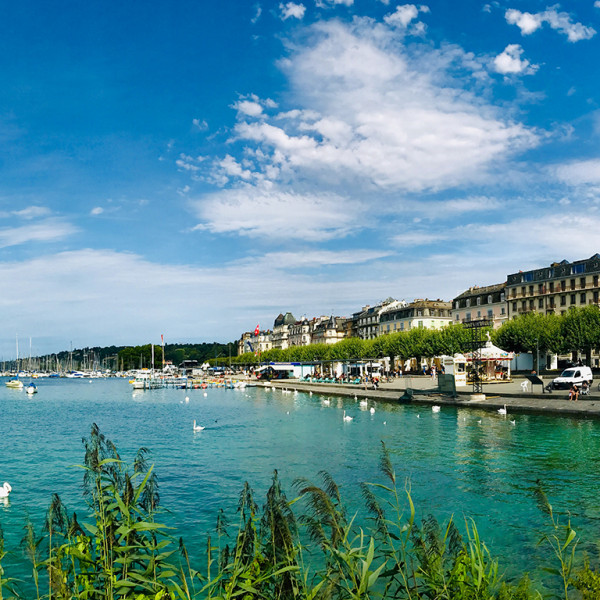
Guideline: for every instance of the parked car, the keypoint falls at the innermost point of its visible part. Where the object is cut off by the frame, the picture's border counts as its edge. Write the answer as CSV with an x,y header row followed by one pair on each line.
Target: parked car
x,y
572,376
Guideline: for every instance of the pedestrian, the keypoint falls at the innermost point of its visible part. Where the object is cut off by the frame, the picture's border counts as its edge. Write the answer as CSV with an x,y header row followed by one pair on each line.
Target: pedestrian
x,y
574,393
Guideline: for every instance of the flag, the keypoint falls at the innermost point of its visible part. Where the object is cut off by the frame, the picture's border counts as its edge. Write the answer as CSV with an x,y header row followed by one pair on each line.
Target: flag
x,y
257,330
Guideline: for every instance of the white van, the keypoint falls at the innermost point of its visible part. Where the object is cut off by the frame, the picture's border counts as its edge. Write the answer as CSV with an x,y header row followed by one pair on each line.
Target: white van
x,y
572,376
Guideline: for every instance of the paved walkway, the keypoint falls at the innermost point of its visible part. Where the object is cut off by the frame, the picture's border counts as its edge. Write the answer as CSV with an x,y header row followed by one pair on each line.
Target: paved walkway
x,y
495,395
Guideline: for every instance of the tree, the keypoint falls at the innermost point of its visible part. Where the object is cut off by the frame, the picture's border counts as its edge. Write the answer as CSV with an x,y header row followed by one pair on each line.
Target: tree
x,y
580,329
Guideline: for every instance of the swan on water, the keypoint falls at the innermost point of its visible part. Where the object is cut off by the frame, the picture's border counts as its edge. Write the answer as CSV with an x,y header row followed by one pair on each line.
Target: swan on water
x,y
5,490
513,422
187,398
435,408
198,427
372,411
347,417
364,402
326,401
502,411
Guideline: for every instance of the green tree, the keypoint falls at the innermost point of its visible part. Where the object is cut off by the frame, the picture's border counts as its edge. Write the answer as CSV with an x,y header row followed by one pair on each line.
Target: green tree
x,y
580,329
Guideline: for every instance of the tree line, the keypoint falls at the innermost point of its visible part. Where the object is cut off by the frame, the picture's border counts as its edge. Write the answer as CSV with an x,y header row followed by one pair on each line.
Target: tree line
x,y
578,330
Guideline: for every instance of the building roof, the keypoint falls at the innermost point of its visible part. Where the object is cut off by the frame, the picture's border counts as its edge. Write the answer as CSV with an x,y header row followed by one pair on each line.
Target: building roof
x,y
477,290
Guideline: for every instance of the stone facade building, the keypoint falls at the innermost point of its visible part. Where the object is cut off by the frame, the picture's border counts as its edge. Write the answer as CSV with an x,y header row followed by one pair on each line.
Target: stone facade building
x,y
488,302
427,314
554,289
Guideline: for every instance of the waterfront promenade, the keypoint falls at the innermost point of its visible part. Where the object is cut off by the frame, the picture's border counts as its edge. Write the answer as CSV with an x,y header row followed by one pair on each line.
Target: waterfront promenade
x,y
425,392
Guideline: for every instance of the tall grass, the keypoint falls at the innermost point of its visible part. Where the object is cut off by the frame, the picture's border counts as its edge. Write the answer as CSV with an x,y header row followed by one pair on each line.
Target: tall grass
x,y
306,548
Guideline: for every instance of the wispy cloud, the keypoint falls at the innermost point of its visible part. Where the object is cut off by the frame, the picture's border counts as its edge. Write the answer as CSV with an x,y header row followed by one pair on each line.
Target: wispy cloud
x,y
278,214
49,230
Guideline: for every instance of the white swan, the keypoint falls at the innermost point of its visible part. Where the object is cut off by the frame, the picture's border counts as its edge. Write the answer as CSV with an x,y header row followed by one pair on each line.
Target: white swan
x,y
364,403
326,401
5,490
197,427
513,422
435,408
502,411
372,411
347,417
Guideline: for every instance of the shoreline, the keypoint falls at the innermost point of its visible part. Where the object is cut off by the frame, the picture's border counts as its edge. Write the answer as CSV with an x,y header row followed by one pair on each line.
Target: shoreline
x,y
495,396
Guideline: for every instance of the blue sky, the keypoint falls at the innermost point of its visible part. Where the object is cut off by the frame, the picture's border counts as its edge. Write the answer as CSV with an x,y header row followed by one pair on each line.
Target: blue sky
x,y
195,168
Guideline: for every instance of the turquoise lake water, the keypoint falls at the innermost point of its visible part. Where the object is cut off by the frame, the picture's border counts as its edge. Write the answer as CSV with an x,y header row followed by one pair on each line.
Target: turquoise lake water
x,y
456,464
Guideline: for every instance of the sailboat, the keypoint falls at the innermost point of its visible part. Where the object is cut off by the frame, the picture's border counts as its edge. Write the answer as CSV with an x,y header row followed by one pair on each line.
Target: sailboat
x,y
15,382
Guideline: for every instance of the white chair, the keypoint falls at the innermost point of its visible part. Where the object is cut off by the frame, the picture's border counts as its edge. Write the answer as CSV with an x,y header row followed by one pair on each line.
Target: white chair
x,y
525,386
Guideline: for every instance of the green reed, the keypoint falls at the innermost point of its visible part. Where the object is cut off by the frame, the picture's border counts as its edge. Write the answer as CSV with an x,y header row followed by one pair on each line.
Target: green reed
x,y
307,548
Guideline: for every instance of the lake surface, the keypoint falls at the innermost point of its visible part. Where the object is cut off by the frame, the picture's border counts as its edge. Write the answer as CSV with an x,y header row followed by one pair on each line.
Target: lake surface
x,y
460,462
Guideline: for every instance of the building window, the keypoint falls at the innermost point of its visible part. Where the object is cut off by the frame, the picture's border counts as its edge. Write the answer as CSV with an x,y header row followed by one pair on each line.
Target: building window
x,y
502,311
502,297
524,305
468,316
513,293
596,297
531,305
468,302
576,269
531,290
478,300
457,317
523,291
489,299
490,314
572,284
420,324
573,298
595,280
514,307
582,299
563,300
401,326
563,285
582,283
479,314
541,303
551,286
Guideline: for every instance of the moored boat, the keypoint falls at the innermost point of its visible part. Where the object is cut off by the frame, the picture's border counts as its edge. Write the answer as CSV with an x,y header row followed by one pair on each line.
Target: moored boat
x,y
14,383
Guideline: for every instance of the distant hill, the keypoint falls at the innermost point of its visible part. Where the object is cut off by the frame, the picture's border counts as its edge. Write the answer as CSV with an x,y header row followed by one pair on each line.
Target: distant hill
x,y
116,358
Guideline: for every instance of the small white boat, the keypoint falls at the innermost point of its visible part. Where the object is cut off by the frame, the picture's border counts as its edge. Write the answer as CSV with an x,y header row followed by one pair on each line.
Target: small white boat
x,y
14,383
31,388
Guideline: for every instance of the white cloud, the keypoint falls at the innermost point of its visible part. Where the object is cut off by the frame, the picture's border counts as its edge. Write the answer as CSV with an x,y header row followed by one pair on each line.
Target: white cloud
x,y
257,13
291,9
31,212
278,214
528,23
585,172
370,115
330,3
403,15
597,4
316,258
98,210
200,125
510,62
50,230
249,108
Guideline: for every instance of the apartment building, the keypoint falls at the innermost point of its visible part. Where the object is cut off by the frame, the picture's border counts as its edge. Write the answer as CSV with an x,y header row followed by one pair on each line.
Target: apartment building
x,y
486,302
329,330
427,314
554,289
